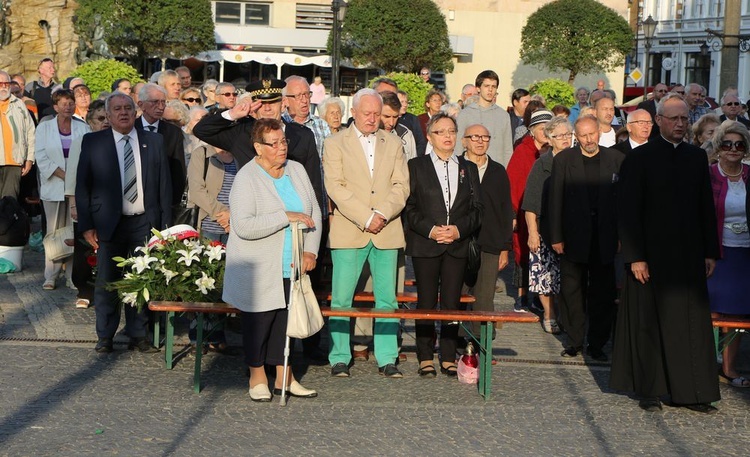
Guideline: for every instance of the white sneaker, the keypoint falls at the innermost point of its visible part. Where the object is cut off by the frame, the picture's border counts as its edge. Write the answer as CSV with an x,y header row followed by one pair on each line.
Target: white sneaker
x,y
260,393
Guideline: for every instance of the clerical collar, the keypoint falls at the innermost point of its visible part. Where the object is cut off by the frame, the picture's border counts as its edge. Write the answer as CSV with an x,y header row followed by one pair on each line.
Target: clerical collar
x,y
673,144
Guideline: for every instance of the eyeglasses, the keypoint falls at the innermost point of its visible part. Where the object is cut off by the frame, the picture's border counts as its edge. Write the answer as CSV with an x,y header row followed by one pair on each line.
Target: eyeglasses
x,y
732,104
4,84
477,138
230,94
726,145
301,96
100,118
192,100
562,136
673,119
276,144
449,132
157,102
425,73
641,123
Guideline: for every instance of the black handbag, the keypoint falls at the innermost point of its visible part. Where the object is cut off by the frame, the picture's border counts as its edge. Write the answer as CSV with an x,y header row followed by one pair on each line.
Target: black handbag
x,y
183,214
474,258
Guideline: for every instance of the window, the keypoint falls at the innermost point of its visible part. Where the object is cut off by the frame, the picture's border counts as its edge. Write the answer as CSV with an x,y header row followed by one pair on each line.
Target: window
x,y
242,13
698,68
310,16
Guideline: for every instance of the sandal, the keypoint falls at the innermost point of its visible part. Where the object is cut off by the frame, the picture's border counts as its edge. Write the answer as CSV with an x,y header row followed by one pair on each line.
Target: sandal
x,y
740,381
451,369
427,370
550,326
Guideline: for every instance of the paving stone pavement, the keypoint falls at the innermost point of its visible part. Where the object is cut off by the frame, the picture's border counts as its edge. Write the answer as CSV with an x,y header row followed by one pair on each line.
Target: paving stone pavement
x,y
59,398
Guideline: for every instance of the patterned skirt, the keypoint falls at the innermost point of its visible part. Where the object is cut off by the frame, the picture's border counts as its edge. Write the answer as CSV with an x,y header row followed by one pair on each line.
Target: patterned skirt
x,y
544,270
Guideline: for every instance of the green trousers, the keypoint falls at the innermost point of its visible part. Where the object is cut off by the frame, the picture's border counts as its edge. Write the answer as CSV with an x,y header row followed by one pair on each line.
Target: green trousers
x,y
347,267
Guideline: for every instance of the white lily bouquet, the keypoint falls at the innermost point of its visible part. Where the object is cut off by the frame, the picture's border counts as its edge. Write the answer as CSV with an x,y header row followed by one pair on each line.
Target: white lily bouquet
x,y
175,265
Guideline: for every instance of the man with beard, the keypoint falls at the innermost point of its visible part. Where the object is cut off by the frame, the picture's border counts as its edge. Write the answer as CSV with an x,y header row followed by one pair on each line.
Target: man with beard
x,y
583,226
664,342
16,139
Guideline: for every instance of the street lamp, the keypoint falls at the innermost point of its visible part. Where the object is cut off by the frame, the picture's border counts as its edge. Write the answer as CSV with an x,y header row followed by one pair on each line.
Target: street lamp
x,y
649,29
338,8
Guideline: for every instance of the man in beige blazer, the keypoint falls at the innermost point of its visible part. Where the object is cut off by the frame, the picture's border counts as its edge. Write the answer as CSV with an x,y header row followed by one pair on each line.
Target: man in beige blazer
x,y
368,182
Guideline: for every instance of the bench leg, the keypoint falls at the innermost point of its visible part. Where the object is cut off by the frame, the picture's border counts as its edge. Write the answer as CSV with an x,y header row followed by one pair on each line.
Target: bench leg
x,y
716,342
157,332
169,349
198,353
485,360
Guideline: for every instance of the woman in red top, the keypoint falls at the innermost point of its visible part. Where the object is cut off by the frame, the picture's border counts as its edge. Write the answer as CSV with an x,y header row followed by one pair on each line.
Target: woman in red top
x,y
519,167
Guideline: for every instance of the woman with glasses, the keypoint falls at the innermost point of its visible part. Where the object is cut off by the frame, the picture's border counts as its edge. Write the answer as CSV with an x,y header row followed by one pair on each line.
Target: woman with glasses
x,y
270,193
82,270
444,208
729,180
191,97
52,148
209,93
519,167
544,265
83,100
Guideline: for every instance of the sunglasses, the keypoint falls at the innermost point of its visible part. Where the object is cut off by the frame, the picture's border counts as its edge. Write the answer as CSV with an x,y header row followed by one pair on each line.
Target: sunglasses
x,y
739,146
192,100
732,104
230,94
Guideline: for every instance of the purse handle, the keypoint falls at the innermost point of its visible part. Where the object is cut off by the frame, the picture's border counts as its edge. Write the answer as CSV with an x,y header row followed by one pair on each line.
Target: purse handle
x,y
297,250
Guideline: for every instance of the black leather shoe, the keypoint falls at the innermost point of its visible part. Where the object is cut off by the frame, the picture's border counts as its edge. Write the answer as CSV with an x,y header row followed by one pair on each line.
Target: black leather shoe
x,y
596,354
389,370
570,351
704,408
650,404
340,370
142,346
103,345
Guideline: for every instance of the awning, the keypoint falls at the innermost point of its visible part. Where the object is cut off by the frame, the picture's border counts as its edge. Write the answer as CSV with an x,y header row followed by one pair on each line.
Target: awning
x,y
266,58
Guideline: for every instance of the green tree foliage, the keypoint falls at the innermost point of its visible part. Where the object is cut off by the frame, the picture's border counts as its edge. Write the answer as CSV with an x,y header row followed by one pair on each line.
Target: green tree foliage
x,y
414,86
396,35
580,36
100,74
140,29
554,91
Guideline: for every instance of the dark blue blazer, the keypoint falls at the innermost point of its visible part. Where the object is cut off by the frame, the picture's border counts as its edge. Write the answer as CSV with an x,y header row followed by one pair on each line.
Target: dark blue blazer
x,y
99,187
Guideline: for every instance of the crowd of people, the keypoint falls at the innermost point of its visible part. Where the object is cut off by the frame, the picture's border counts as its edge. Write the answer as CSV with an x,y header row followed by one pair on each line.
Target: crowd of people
x,y
635,221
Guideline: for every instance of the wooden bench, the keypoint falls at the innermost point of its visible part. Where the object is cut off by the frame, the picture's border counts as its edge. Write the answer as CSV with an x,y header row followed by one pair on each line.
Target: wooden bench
x,y
200,309
737,324
403,298
486,318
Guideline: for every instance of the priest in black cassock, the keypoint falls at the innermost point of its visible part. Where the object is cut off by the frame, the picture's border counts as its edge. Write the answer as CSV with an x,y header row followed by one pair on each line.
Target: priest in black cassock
x,y
664,341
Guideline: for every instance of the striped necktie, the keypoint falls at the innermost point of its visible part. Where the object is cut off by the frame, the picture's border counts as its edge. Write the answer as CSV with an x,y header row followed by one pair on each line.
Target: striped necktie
x,y
131,190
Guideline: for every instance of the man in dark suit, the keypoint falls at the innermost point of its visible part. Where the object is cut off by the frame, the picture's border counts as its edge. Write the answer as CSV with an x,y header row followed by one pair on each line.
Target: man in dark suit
x,y
639,130
152,100
230,130
660,90
123,190
731,107
583,227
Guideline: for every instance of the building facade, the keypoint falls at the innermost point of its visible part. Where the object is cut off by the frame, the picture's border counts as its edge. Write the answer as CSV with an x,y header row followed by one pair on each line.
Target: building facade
x,y
683,51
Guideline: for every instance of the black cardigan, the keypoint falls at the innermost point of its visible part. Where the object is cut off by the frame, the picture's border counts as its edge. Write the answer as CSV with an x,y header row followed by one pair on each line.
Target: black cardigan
x,y
496,232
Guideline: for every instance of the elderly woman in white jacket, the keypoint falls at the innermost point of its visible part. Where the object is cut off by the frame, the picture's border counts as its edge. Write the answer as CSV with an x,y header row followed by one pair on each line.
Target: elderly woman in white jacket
x,y
53,140
269,193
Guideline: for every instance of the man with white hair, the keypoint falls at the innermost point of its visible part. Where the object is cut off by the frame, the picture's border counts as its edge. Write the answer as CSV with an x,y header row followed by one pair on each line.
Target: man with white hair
x,y
170,80
731,107
368,182
296,99
16,140
639,129
467,91
695,97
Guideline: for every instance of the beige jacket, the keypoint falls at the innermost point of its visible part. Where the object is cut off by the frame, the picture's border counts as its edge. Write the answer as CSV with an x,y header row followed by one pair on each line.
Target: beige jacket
x,y
204,192
356,194
23,132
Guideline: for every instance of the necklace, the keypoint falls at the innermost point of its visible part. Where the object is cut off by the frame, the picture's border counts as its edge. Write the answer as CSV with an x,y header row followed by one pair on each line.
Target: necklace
x,y
727,174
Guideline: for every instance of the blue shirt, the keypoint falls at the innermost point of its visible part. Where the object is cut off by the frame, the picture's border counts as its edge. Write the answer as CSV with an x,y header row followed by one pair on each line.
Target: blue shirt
x,y
292,202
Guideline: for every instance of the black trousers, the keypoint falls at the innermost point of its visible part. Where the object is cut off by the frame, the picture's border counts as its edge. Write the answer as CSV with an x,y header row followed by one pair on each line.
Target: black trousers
x,y
445,274
131,232
264,334
82,272
587,289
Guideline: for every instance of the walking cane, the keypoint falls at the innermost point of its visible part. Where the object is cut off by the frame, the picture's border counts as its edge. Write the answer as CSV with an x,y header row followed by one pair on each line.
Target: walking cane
x,y
296,272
